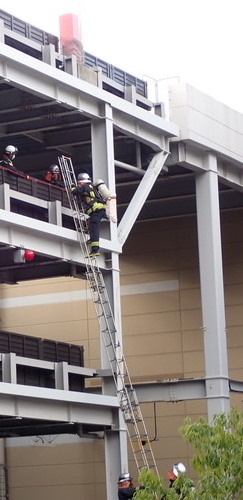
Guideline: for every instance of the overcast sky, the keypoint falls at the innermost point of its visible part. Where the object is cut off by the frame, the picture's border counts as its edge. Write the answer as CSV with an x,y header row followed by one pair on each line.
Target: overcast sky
x,y
199,41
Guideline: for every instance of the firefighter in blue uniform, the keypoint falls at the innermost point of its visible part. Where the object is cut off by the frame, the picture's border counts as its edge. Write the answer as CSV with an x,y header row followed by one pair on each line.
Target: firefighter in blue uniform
x,y
126,488
94,206
8,158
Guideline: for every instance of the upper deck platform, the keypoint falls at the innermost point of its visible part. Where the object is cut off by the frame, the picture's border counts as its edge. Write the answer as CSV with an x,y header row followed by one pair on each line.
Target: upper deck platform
x,y
51,106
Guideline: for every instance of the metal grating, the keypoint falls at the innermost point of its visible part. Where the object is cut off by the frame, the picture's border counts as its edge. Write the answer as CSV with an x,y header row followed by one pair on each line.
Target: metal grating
x,y
116,74
37,348
3,482
28,31
43,38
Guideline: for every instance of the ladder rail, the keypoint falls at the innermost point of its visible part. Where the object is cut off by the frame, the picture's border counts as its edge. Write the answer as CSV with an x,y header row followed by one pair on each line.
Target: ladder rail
x,y
128,404
79,217
126,394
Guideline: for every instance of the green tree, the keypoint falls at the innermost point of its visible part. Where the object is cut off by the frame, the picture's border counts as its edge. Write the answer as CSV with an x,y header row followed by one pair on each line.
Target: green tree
x,y
154,488
218,462
219,459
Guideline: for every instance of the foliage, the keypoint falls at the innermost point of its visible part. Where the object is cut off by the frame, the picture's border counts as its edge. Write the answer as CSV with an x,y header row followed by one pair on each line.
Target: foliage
x,y
154,488
218,463
219,459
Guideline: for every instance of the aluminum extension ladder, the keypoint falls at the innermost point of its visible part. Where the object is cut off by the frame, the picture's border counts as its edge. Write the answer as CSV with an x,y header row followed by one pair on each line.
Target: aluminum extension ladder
x,y
129,404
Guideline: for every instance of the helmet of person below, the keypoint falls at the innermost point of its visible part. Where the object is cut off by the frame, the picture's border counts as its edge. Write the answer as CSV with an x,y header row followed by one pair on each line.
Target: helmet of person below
x,y
11,150
179,469
84,178
54,169
124,477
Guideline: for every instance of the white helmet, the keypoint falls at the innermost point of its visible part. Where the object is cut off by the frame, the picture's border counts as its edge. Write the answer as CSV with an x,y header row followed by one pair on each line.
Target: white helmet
x,y
85,178
54,169
179,469
11,151
124,477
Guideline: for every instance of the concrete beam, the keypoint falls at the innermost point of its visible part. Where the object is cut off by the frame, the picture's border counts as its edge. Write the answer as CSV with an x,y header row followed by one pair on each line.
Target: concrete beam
x,y
56,405
49,82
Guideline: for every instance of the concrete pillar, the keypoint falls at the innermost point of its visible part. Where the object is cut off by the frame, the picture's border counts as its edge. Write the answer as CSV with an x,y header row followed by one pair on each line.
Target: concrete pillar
x,y
212,289
116,457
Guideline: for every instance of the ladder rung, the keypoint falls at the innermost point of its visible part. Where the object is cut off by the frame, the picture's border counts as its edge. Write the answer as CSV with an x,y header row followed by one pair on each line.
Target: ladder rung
x,y
108,345
100,301
134,404
140,435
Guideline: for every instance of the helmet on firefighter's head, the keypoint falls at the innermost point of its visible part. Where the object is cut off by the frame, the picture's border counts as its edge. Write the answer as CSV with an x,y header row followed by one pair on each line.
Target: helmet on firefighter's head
x,y
124,477
11,151
83,178
54,169
179,469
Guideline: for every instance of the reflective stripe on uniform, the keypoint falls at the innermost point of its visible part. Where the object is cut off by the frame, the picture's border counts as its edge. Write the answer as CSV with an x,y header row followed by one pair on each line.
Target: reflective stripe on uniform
x,y
96,206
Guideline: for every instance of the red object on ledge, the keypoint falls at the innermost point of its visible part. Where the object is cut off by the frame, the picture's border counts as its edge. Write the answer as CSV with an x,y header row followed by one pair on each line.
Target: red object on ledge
x,y
29,255
70,36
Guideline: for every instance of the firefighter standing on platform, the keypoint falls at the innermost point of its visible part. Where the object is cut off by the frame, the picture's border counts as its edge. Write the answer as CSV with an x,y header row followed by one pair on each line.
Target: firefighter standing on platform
x,y
53,176
93,206
8,157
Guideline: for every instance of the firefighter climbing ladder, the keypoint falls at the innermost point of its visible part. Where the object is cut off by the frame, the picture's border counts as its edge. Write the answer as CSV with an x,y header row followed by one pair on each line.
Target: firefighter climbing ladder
x,y
129,404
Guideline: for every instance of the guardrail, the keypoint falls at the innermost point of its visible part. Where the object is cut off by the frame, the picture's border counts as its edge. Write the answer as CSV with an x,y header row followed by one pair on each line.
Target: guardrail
x,y
43,46
26,195
40,373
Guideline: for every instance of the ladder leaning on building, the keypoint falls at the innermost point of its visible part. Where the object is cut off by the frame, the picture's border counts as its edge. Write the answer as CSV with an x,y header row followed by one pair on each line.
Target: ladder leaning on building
x,y
126,394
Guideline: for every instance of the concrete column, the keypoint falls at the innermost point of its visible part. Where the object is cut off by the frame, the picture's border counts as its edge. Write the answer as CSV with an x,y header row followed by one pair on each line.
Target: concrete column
x,y
212,289
103,158
49,54
61,376
9,368
5,197
130,93
55,212
116,457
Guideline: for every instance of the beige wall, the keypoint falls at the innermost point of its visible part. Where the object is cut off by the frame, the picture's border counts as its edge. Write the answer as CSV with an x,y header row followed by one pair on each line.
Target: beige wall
x,y
205,121
56,471
161,316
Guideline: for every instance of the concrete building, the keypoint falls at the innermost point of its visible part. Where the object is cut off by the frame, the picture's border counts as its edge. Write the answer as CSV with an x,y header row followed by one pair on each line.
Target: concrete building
x,y
172,265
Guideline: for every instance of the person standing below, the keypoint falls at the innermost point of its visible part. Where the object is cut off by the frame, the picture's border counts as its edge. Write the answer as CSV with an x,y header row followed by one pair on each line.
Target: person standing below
x,y
126,488
54,176
174,473
93,206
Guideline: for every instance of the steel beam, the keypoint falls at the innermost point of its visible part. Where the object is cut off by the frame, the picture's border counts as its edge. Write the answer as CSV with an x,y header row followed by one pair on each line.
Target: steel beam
x,y
140,196
51,83
22,401
171,391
